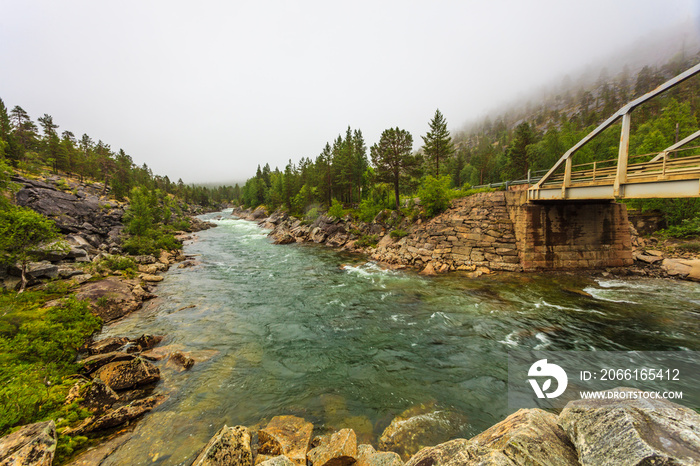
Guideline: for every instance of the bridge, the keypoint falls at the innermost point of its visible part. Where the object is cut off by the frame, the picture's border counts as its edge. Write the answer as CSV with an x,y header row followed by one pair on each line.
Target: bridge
x,y
671,173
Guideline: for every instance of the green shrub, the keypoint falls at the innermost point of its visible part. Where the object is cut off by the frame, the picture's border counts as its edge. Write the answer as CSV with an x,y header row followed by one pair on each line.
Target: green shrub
x,y
675,211
336,209
367,210
687,228
367,241
151,244
312,215
434,194
119,263
399,233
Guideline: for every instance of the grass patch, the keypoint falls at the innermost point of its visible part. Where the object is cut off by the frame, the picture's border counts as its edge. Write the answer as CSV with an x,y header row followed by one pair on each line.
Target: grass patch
x,y
689,247
38,347
399,233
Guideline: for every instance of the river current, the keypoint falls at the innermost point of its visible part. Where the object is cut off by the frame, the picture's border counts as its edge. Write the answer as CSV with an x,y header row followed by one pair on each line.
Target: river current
x,y
302,329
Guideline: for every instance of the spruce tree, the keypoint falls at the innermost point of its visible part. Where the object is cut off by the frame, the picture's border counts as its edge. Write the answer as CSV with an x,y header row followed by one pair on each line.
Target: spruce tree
x,y
438,143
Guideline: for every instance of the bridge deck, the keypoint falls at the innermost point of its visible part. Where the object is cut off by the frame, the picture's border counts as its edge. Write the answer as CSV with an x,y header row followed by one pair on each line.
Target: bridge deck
x,y
664,178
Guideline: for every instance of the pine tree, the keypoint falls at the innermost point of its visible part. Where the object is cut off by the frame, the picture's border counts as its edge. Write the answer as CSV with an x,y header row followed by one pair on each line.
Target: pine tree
x,y
393,159
438,143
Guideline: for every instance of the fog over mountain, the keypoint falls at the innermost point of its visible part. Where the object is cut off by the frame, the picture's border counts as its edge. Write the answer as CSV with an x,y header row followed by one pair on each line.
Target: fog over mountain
x,y
207,92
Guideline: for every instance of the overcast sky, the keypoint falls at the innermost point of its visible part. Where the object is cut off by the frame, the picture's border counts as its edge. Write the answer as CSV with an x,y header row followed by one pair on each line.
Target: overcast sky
x,y
207,90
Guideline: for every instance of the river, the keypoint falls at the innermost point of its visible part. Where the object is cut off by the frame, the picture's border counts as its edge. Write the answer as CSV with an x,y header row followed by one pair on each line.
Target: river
x,y
302,329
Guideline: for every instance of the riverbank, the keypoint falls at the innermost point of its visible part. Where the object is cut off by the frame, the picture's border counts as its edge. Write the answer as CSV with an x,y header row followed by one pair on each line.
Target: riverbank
x,y
486,242
76,285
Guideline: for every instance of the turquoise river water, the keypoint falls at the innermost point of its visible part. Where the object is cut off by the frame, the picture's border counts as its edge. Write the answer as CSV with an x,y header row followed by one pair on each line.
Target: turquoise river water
x,y
302,329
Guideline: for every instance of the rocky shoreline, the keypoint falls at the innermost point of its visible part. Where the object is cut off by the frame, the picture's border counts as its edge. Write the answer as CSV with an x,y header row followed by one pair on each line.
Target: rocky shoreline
x,y
627,429
399,243
117,377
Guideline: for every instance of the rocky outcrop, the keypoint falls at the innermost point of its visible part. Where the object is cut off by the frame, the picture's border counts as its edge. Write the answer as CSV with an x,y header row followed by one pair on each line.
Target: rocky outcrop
x,y
682,268
338,449
117,417
286,435
121,375
94,362
82,211
31,445
230,446
111,298
529,436
632,430
627,427
419,427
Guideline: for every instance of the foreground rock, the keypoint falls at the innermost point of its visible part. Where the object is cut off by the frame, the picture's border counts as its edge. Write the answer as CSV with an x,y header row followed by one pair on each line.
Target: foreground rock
x,y
339,449
229,446
682,268
109,299
419,427
368,456
121,375
529,436
280,460
117,416
286,435
33,444
633,431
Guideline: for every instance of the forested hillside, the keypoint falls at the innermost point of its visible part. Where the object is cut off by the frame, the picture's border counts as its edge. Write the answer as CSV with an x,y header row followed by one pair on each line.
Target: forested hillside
x,y
530,137
31,150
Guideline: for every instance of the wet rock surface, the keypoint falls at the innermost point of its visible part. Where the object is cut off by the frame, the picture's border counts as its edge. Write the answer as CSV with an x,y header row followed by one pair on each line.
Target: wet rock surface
x,y
632,431
419,427
230,446
338,449
121,375
286,435
33,444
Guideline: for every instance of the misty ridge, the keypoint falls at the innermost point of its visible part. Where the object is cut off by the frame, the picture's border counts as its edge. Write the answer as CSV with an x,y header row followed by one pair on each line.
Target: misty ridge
x,y
667,53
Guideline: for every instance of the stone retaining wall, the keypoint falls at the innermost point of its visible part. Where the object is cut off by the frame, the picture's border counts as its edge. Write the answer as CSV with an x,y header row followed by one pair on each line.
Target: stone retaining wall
x,y
494,231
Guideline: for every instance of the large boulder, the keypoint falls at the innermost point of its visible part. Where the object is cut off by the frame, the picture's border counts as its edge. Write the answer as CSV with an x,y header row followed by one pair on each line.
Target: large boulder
x,y
33,444
632,429
419,427
459,452
529,436
109,299
682,268
229,446
121,375
286,435
339,449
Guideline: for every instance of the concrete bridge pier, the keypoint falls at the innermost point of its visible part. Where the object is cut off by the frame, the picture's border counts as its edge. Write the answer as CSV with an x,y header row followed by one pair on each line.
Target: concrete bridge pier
x,y
571,235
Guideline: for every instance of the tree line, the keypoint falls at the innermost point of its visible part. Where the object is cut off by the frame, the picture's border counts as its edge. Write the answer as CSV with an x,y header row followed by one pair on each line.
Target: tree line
x,y
519,142
26,148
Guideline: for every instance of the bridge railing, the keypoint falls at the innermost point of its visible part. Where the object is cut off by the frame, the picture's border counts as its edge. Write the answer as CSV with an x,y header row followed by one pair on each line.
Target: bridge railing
x,y
619,171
